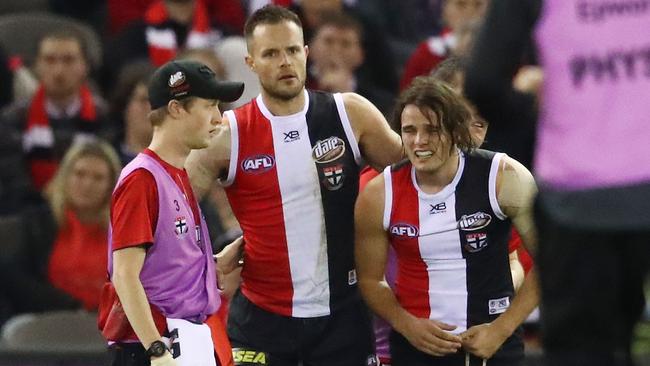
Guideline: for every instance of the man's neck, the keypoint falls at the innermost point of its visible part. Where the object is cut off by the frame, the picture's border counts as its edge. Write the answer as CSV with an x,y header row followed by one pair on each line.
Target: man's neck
x,y
283,107
167,145
435,181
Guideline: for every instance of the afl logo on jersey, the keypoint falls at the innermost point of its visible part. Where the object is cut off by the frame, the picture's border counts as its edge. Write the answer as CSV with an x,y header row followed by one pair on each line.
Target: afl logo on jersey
x,y
403,231
258,164
474,221
328,150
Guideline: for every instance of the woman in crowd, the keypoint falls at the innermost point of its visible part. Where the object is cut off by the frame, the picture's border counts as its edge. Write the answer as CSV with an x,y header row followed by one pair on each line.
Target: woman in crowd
x,y
60,260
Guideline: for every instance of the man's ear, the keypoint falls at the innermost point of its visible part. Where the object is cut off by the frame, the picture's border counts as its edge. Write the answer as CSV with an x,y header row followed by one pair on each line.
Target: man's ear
x,y
174,109
249,61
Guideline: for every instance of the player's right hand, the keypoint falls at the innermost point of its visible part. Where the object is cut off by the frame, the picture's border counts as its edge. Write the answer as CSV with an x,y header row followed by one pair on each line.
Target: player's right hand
x,y
432,336
165,360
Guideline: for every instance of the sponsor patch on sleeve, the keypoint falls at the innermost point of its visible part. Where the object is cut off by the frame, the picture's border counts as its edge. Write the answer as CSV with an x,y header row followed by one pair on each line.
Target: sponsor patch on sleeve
x,y
498,306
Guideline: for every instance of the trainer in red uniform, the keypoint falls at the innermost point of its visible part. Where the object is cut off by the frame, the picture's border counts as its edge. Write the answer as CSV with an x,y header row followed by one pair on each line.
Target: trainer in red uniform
x,y
290,162
162,272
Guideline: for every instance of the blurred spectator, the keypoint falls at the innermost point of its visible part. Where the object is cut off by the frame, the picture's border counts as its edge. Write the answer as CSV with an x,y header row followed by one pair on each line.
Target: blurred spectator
x,y
61,262
166,28
92,12
406,20
252,5
130,107
40,130
232,51
335,57
228,13
455,14
208,58
378,64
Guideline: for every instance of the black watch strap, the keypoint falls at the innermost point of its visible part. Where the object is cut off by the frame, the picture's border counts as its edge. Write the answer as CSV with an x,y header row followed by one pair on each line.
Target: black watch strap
x,y
156,349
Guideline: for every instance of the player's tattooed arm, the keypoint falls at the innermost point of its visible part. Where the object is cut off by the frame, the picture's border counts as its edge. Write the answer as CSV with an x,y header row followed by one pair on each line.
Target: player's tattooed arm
x,y
516,191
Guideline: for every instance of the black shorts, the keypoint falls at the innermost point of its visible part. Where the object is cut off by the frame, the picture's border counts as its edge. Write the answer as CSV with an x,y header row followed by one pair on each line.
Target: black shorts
x,y
344,338
404,354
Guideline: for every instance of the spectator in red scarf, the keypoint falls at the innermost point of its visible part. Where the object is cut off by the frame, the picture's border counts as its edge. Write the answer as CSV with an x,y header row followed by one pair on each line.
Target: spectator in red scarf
x,y
430,52
61,261
62,110
166,28
121,13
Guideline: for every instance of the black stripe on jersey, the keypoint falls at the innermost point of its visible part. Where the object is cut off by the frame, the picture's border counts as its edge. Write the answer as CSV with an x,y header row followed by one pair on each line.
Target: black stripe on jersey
x,y
339,186
400,164
485,249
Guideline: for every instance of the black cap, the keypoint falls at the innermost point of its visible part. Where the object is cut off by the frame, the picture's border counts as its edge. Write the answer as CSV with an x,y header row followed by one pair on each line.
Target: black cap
x,y
187,78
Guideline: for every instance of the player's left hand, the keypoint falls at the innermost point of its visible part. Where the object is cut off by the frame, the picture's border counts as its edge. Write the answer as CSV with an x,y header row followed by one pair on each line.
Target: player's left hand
x,y
230,257
483,340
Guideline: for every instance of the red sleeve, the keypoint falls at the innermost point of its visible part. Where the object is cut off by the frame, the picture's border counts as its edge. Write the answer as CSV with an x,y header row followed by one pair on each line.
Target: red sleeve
x,y
515,241
366,176
515,244
421,62
134,210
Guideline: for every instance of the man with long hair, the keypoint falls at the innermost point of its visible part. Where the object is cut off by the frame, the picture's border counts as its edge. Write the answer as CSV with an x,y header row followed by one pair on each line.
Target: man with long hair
x,y
447,213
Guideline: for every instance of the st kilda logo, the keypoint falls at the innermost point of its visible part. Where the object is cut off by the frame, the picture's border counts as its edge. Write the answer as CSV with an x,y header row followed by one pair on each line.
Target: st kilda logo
x,y
258,164
330,149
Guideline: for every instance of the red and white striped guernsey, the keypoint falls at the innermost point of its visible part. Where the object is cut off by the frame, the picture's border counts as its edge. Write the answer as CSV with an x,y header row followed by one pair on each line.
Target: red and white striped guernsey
x,y
292,183
451,246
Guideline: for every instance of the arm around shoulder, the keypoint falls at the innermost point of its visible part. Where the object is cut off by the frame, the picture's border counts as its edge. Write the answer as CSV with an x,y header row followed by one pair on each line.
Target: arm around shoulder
x,y
379,145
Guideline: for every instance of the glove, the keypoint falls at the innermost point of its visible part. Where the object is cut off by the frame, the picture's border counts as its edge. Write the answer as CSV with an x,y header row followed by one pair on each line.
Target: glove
x,y
166,360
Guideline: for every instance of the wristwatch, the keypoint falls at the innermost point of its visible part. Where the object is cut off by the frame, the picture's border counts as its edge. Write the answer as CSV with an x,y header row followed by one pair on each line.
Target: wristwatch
x,y
156,349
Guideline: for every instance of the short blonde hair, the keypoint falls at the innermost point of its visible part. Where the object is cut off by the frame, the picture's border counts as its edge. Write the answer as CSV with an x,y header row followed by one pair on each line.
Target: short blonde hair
x,y
157,116
55,192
